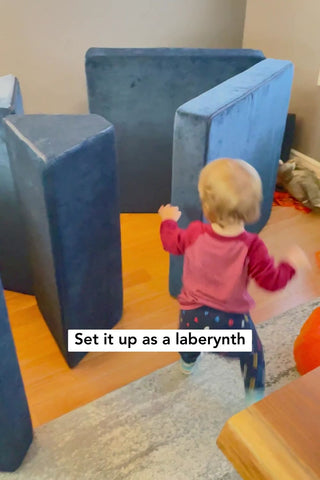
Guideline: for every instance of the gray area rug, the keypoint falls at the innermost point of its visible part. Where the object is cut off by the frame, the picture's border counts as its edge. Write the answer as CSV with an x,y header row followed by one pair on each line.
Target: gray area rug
x,y
163,426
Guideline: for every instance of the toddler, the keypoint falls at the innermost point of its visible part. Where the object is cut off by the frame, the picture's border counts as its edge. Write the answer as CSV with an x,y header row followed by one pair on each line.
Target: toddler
x,y
219,259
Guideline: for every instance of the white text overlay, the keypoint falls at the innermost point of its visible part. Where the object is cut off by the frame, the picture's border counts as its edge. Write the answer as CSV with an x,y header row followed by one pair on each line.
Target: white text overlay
x,y
160,340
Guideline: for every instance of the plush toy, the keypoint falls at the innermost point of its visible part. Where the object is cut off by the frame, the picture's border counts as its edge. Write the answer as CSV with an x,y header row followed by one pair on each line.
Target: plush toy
x,y
306,348
300,182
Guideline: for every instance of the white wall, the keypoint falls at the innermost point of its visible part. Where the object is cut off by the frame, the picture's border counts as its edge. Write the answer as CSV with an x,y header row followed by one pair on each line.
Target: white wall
x,y
43,42
289,29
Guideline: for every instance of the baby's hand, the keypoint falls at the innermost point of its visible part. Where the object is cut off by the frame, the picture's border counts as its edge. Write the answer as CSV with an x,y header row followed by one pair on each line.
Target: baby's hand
x,y
297,258
168,212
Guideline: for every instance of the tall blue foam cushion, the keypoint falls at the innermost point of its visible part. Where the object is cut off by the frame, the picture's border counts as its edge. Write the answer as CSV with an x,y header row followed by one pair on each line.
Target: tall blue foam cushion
x,y
244,118
65,171
15,422
139,90
14,263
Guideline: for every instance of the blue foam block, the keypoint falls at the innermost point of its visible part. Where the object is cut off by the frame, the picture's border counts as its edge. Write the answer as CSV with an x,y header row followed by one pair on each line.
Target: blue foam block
x,y
139,90
15,422
244,118
14,263
65,171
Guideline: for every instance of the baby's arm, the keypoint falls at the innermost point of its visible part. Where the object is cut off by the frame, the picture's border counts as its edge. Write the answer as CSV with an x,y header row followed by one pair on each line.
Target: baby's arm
x,y
172,237
263,269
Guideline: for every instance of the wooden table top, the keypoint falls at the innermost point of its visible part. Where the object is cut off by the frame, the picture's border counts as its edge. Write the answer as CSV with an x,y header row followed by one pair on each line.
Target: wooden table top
x,y
277,438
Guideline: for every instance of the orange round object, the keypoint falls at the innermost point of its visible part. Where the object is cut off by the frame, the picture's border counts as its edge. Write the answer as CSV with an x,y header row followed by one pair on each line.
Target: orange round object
x,y
306,348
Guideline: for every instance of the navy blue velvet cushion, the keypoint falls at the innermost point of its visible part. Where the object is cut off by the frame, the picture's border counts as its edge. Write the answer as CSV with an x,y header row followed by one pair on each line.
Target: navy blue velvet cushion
x,y
243,118
15,422
139,90
14,263
65,171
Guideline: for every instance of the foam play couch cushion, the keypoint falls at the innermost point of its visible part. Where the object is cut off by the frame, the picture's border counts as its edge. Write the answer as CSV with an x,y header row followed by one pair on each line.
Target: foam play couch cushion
x,y
15,425
14,263
139,90
244,117
64,167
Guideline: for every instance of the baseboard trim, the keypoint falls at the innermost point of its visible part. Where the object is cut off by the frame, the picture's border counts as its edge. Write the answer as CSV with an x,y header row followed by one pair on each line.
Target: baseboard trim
x,y
309,162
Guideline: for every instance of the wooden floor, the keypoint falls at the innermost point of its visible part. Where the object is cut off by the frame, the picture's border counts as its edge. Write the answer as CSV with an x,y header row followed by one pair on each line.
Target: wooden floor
x,y
53,389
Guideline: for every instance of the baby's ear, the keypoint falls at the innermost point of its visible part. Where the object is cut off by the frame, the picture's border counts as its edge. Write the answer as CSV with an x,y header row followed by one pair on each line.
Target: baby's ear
x,y
205,209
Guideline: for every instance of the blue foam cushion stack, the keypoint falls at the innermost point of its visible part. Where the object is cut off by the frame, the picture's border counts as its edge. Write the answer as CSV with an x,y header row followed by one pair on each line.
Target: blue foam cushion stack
x,y
139,90
64,167
244,117
15,425
14,264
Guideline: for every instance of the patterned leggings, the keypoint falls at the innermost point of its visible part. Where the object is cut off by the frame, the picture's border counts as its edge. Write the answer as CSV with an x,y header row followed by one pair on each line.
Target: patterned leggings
x,y
251,363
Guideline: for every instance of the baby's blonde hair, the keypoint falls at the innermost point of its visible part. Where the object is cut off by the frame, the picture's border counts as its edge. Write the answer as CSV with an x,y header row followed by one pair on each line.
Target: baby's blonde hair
x,y
230,191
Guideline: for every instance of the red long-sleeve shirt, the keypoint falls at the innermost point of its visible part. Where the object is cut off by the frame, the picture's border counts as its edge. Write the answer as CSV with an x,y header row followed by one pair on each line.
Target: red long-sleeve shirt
x,y
217,269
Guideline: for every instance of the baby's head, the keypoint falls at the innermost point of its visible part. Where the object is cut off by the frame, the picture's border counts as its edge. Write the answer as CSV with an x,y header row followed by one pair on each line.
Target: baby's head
x,y
230,192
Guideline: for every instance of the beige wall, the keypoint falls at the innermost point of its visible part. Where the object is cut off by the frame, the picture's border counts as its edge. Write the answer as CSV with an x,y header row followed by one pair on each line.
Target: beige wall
x,y
289,29
43,42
